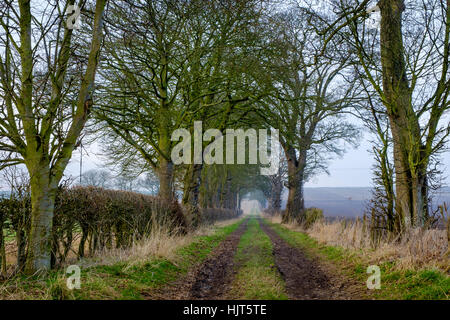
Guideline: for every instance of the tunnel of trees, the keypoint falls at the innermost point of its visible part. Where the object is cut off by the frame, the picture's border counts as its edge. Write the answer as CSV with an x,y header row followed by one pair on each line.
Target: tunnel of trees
x,y
134,72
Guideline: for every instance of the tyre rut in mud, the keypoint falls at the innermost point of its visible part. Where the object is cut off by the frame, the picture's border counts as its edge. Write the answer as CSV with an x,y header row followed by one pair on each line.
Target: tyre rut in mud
x,y
304,278
215,275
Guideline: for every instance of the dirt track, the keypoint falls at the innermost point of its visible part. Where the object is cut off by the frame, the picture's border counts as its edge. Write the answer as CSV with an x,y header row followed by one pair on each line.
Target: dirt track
x,y
215,274
305,278
208,281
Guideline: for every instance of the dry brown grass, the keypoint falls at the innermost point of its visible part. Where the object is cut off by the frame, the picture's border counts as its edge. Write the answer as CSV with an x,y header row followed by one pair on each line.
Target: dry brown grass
x,y
417,249
161,243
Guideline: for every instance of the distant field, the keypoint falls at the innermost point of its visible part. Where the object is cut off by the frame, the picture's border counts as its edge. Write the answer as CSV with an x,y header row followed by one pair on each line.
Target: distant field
x,y
350,202
334,208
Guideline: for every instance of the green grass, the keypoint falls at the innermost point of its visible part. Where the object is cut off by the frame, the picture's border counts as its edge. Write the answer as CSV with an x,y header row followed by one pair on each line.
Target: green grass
x,y
395,284
121,281
8,234
257,277
414,285
128,283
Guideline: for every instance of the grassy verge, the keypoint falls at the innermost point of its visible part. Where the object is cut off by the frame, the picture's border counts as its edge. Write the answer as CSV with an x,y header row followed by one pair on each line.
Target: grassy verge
x,y
395,284
120,280
257,277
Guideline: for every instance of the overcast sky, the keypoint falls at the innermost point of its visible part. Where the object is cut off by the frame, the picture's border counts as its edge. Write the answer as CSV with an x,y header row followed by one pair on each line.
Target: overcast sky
x,y
352,170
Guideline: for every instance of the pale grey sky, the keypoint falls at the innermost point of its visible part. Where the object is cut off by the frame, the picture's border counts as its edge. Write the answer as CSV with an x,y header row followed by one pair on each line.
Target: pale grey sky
x,y
354,169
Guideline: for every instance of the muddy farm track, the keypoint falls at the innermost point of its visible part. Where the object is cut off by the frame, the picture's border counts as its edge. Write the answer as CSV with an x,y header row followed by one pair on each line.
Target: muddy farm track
x,y
216,273
304,278
210,280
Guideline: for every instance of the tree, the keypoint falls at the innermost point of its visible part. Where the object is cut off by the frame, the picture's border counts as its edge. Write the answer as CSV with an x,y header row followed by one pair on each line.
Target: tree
x,y
44,111
16,209
308,101
277,183
125,182
225,96
383,195
150,183
224,186
413,66
97,178
140,98
172,63
370,110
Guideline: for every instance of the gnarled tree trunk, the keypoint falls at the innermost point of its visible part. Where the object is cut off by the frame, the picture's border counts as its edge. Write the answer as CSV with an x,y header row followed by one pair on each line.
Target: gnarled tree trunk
x,y
191,193
277,188
295,207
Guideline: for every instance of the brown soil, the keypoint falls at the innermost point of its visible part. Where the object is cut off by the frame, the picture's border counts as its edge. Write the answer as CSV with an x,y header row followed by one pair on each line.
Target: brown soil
x,y
216,274
306,279
211,279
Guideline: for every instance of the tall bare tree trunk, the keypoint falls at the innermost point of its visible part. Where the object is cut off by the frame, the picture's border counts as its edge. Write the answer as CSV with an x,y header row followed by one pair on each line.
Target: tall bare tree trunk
x,y
277,188
165,169
43,194
410,166
295,207
46,169
388,185
165,174
238,200
191,193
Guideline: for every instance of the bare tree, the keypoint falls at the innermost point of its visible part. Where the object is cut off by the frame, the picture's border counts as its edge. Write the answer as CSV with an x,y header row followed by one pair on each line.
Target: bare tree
x,y
97,178
277,182
48,95
125,182
308,102
16,212
149,183
406,61
173,63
